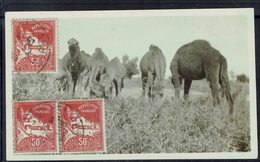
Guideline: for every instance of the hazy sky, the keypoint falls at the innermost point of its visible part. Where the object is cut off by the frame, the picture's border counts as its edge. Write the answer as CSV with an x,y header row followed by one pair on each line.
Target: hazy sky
x,y
133,35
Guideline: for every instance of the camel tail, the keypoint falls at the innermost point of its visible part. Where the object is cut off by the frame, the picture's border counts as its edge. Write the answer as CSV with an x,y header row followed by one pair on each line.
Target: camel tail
x,y
224,82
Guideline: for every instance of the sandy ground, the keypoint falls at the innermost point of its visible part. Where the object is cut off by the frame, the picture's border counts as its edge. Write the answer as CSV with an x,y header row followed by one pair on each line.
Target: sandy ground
x,y
137,92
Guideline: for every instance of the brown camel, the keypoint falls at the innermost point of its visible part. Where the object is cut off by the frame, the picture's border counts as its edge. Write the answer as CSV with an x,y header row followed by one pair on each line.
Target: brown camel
x,y
198,60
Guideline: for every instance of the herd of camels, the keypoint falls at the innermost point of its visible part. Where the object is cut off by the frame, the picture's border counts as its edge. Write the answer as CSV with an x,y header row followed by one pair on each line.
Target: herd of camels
x,y
193,61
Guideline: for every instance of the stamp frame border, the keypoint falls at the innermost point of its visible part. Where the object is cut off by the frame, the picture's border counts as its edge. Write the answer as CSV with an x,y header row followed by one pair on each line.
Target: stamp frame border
x,y
103,128
56,51
56,127
195,12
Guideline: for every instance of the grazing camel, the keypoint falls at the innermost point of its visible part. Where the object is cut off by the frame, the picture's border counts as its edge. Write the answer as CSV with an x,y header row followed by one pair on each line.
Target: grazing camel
x,y
116,72
153,64
198,60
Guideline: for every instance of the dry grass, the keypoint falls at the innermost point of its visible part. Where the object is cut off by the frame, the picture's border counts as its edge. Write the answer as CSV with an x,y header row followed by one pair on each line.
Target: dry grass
x,y
136,124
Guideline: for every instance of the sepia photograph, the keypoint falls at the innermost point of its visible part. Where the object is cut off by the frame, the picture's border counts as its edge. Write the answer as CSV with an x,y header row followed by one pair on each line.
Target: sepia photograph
x,y
132,84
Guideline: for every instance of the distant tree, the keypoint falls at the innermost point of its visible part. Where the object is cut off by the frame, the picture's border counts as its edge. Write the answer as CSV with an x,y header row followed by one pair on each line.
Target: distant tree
x,y
242,78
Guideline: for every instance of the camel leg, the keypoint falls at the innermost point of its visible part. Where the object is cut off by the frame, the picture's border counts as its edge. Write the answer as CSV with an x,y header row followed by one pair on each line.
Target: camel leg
x,y
230,101
66,85
177,85
187,84
116,86
226,90
152,86
150,92
213,79
74,86
144,82
122,83
119,87
111,89
59,84
214,91
87,83
176,78
212,74
151,89
176,81
69,81
79,84
87,76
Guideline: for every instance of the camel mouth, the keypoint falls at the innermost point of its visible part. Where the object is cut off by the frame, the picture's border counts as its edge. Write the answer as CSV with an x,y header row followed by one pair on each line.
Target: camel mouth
x,y
72,47
72,50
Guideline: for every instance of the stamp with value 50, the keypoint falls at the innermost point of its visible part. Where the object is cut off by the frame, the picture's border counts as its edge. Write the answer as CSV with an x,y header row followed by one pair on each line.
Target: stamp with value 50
x,y
34,45
82,127
35,127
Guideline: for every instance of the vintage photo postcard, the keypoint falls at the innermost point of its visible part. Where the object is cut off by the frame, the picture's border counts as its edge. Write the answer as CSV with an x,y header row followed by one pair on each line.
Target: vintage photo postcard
x,y
139,84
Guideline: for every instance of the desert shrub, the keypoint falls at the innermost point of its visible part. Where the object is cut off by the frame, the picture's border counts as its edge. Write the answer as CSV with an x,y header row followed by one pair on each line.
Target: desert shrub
x,y
137,124
146,126
242,78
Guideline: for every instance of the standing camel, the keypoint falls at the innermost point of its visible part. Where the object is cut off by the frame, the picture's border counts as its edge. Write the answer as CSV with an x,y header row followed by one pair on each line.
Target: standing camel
x,y
198,60
116,72
153,66
74,63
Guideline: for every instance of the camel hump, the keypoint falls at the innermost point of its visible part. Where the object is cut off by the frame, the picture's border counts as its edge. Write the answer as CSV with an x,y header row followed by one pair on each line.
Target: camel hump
x,y
99,57
201,43
115,59
153,47
83,52
98,53
98,49
115,64
197,46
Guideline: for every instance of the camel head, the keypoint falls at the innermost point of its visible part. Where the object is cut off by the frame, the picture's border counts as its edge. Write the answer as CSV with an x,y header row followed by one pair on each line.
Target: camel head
x,y
106,83
73,47
158,88
96,89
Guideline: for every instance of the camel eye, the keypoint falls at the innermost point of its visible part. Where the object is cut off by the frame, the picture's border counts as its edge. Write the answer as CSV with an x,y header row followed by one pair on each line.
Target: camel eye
x,y
77,43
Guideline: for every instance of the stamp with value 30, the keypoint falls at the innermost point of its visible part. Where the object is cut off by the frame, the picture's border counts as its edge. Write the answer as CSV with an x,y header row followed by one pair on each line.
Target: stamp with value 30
x,y
34,45
35,127
82,128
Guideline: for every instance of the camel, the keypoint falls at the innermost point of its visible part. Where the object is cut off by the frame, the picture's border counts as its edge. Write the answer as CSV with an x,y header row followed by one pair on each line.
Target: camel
x,y
116,72
153,66
74,63
198,60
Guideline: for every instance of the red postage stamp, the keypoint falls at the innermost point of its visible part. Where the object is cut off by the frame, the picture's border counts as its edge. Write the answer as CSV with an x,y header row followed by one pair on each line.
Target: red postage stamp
x,y
35,127
82,126
34,47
